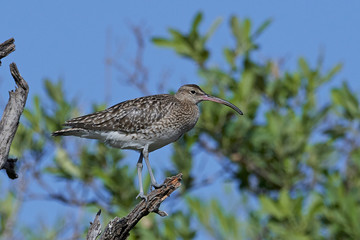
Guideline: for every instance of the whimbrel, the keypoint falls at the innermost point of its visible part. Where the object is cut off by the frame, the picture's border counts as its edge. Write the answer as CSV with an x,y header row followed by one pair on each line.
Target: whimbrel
x,y
144,124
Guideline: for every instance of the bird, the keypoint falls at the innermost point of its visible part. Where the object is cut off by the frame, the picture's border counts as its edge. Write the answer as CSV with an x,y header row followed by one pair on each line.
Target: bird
x,y
144,124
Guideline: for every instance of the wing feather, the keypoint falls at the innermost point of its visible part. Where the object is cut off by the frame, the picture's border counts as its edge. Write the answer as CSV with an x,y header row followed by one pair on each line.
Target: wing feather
x,y
130,116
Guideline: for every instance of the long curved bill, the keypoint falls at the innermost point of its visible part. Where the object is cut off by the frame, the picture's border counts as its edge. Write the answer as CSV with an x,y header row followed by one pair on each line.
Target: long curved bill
x,y
222,101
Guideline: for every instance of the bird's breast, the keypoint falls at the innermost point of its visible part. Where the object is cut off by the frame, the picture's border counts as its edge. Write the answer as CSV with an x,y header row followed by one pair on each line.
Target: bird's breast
x,y
168,129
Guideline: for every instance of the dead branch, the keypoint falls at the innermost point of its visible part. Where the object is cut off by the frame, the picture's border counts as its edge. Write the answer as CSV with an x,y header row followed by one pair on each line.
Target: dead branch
x,y
119,228
6,48
95,228
13,110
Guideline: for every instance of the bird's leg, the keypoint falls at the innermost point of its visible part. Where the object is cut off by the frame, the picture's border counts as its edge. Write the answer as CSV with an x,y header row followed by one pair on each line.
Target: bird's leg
x,y
139,166
146,157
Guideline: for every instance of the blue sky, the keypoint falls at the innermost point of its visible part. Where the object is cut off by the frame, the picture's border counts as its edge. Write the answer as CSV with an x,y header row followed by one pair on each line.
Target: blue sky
x,y
67,40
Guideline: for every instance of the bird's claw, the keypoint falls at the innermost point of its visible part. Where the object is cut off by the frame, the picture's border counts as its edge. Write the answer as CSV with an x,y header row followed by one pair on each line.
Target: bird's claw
x,y
156,185
142,196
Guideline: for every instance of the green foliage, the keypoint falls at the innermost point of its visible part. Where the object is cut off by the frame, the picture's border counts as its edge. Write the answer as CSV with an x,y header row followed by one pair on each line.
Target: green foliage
x,y
182,151
215,219
290,217
190,45
6,210
286,149
344,99
342,212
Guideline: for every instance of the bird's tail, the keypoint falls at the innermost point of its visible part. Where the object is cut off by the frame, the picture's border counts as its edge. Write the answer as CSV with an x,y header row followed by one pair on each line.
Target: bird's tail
x,y
69,132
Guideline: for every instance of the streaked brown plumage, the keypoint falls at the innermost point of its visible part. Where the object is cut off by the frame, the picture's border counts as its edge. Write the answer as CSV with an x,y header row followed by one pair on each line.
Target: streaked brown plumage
x,y
143,124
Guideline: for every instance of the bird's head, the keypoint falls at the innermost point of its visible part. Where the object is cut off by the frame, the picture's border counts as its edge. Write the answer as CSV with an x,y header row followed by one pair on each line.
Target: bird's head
x,y
194,94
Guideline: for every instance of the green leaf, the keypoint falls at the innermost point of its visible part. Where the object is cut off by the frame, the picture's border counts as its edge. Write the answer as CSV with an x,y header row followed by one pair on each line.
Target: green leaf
x,y
235,28
163,42
246,29
212,29
54,91
196,22
285,203
65,163
271,208
304,66
262,27
337,68
178,37
348,102
230,57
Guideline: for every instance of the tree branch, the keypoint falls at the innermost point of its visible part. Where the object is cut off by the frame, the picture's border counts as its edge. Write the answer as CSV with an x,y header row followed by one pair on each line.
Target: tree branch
x,y
13,110
95,228
119,228
6,48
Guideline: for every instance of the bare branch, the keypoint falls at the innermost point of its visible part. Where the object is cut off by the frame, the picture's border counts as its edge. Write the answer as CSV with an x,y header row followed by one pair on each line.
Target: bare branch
x,y
119,228
10,120
6,48
95,228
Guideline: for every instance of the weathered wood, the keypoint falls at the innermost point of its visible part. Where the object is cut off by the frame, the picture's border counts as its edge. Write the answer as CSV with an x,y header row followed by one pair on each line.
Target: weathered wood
x,y
95,228
6,48
10,120
119,228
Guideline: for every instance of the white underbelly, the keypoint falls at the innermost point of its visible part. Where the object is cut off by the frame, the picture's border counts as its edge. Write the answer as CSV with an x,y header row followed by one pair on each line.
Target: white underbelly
x,y
135,141
161,142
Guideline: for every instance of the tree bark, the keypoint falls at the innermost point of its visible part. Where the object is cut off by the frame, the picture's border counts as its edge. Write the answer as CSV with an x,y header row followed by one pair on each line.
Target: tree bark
x,y
13,110
6,48
119,228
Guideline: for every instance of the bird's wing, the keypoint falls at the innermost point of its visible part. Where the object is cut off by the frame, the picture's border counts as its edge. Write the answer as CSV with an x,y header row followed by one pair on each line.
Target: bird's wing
x,y
130,116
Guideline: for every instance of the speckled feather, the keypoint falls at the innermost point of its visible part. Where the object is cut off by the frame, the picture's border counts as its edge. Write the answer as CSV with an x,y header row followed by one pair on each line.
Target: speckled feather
x,y
132,116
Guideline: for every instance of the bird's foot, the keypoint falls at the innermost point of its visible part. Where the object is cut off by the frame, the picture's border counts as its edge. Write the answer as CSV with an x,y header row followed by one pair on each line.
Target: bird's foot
x,y
142,196
156,185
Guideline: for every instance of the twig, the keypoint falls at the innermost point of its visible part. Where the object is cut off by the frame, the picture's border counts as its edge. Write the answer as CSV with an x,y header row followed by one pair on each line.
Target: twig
x,y
10,120
119,228
134,70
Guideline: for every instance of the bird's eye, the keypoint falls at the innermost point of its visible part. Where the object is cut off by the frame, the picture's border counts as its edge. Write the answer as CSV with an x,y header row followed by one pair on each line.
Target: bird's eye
x,y
192,92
